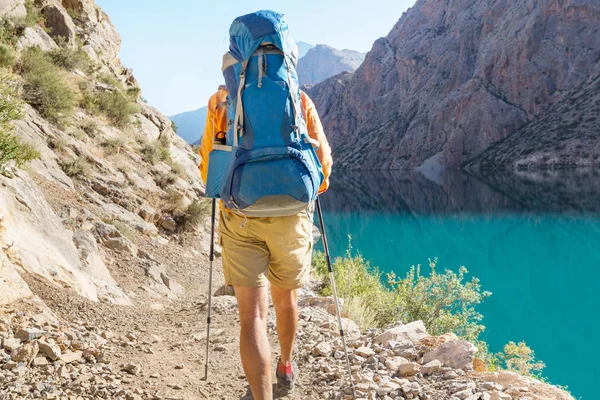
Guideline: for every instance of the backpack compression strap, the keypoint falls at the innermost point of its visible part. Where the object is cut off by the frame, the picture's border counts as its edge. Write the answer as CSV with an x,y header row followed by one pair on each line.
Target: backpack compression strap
x,y
238,123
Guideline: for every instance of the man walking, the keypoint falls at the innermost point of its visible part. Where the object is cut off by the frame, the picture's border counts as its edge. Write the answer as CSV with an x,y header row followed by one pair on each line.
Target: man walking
x,y
266,252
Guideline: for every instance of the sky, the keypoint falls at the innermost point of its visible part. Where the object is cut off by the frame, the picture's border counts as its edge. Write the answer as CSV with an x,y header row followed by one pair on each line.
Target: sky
x,y
176,47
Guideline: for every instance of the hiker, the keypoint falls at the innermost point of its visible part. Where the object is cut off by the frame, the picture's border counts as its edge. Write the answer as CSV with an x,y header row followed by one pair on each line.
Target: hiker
x,y
258,251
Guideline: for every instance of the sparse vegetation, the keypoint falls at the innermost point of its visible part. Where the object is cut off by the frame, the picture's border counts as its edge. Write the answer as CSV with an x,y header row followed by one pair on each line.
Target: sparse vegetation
x,y
76,167
12,148
193,215
110,79
59,143
90,127
125,230
520,358
34,15
113,145
163,181
117,107
46,87
7,56
70,59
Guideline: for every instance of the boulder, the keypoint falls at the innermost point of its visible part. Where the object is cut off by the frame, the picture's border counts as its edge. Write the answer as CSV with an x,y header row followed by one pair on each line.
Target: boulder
x,y
25,353
12,8
413,332
50,349
408,369
29,334
431,367
61,25
121,244
457,354
36,36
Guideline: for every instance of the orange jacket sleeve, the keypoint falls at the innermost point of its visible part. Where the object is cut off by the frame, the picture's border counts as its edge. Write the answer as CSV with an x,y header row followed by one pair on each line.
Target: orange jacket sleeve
x,y
315,131
216,121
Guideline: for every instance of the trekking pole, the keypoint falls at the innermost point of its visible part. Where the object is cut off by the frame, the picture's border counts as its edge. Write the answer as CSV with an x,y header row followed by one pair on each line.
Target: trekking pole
x,y
335,298
210,274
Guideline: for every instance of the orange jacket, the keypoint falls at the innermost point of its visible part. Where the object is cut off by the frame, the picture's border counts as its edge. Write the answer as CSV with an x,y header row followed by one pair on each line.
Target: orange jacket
x,y
216,121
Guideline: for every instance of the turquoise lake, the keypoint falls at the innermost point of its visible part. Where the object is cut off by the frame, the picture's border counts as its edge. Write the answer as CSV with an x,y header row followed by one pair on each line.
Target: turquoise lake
x,y
533,239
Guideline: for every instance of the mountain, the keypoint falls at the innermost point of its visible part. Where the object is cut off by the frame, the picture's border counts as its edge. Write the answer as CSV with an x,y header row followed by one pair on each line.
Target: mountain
x,y
322,62
566,135
453,78
303,48
190,125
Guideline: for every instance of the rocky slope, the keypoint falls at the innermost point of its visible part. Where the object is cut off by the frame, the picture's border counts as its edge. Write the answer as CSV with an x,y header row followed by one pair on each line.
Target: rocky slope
x,y
452,78
322,62
104,264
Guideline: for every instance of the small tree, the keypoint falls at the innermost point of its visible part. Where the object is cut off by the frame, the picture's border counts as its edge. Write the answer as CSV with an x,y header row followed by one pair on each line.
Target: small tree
x,y
520,358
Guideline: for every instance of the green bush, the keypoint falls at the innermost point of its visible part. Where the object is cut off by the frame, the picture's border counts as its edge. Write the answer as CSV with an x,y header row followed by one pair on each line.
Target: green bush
x,y
134,93
34,15
356,279
46,87
70,59
117,107
12,149
90,127
7,56
110,79
442,301
113,146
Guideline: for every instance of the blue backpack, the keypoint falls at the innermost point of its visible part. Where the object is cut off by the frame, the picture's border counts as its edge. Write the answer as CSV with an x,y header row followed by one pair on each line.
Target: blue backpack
x,y
267,165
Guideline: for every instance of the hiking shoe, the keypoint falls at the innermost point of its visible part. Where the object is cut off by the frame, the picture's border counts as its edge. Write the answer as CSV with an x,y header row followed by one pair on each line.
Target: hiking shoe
x,y
286,377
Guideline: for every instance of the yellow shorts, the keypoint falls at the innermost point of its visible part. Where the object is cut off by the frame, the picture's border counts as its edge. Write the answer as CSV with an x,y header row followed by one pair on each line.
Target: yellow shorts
x,y
274,249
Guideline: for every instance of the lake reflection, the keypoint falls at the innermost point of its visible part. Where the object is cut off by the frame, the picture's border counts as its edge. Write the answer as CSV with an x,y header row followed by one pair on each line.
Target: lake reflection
x,y
532,239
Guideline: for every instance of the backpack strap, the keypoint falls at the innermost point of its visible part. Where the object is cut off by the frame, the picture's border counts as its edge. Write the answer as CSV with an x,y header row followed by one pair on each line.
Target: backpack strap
x,y
294,92
238,124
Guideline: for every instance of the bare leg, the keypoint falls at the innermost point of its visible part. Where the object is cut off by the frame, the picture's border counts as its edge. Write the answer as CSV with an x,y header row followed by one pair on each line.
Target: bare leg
x,y
286,310
254,342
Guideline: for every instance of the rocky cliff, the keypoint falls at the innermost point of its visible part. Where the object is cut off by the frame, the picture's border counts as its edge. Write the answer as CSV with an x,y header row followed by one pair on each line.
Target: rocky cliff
x,y
322,62
453,78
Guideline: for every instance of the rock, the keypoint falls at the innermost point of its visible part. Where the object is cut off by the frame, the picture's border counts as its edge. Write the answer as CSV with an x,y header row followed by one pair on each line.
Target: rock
x,y
168,223
433,342
364,352
458,354
500,396
12,9
121,244
11,344
25,353
408,369
29,334
225,291
71,356
479,365
322,349
147,213
107,231
393,363
36,36
40,361
413,332
132,369
463,394
50,349
61,26
431,367
175,287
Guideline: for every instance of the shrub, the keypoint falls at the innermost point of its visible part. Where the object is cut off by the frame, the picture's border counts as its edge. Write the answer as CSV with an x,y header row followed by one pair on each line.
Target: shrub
x,y
59,143
46,87
76,167
520,358
193,215
442,301
7,56
113,146
110,79
12,149
159,151
117,107
90,127
34,15
8,32
134,93
163,181
126,231
70,59
356,279
174,126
